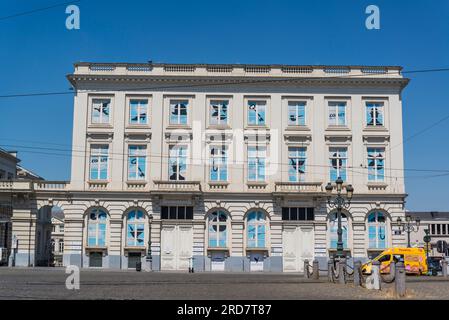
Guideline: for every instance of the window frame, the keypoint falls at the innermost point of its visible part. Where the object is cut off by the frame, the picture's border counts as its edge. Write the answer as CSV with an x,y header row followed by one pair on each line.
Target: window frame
x,y
92,147
375,159
98,211
145,161
267,102
305,105
300,177
136,222
257,179
91,100
149,100
337,102
376,224
383,105
338,150
333,235
188,110
256,224
216,234
220,147
186,148
219,124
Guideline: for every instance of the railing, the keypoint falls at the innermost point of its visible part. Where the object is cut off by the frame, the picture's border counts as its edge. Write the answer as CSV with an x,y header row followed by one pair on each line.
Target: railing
x,y
180,186
50,185
298,187
239,70
16,185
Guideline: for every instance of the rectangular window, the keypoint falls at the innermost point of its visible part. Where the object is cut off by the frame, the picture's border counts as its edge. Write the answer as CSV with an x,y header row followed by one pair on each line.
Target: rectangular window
x,y
296,113
256,163
138,111
338,162
374,114
443,229
376,166
61,228
178,111
177,212
61,245
438,229
101,109
296,164
337,113
432,229
177,163
298,214
218,163
256,113
219,112
137,162
99,162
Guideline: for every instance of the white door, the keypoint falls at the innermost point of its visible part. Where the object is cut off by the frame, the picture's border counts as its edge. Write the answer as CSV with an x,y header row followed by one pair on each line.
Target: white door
x,y
176,247
217,261
298,245
256,261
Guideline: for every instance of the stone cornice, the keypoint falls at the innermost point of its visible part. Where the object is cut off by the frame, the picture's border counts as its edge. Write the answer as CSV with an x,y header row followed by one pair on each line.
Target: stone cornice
x,y
77,79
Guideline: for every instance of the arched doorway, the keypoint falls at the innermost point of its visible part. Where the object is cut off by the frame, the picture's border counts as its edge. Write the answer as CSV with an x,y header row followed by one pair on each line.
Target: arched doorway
x,y
49,237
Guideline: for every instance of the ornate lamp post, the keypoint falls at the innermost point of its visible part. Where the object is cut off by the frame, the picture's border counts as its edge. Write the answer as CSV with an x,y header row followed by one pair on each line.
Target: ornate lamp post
x,y
339,202
149,257
410,225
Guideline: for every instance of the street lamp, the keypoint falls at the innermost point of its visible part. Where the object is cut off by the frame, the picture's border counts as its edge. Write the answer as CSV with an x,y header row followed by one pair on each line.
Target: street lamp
x,y
339,203
149,257
410,225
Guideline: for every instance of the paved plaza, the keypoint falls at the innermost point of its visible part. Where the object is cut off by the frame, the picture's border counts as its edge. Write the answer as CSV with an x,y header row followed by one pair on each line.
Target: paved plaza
x,y
49,283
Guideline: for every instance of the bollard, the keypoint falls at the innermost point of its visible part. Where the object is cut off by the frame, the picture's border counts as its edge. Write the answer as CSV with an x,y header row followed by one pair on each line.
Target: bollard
x,y
444,267
400,279
357,270
316,270
330,265
342,271
375,275
306,269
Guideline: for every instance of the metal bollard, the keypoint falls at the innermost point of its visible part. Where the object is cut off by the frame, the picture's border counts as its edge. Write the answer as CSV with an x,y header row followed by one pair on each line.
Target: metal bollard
x,y
330,265
400,279
342,271
444,267
316,270
306,269
357,270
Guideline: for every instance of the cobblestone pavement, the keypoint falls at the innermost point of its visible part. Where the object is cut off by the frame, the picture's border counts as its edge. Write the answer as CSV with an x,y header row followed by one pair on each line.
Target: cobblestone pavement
x,y
49,283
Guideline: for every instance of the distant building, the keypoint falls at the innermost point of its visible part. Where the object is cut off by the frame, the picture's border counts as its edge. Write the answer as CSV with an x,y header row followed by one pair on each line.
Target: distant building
x,y
438,225
10,171
57,238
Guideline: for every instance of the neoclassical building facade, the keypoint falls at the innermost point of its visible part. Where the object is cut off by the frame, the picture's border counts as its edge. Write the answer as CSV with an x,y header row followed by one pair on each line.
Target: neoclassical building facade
x,y
221,167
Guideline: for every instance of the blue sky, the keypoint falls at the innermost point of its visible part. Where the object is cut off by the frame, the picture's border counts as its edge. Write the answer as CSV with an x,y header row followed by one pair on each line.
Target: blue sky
x,y
37,51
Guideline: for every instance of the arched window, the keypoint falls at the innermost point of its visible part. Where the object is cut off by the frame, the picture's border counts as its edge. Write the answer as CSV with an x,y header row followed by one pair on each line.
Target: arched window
x,y
97,228
217,229
333,227
135,229
256,229
377,230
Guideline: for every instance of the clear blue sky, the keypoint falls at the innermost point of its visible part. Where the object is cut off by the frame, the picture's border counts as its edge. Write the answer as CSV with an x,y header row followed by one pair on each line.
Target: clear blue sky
x,y
37,51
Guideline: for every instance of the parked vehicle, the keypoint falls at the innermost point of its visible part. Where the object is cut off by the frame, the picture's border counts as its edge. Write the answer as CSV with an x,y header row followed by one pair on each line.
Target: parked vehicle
x,y
414,260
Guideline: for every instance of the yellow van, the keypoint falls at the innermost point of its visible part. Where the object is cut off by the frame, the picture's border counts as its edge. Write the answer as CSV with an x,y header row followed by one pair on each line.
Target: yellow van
x,y
415,260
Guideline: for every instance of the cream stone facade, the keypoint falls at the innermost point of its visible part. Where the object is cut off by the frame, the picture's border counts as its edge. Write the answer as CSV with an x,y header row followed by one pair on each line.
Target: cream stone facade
x,y
223,167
